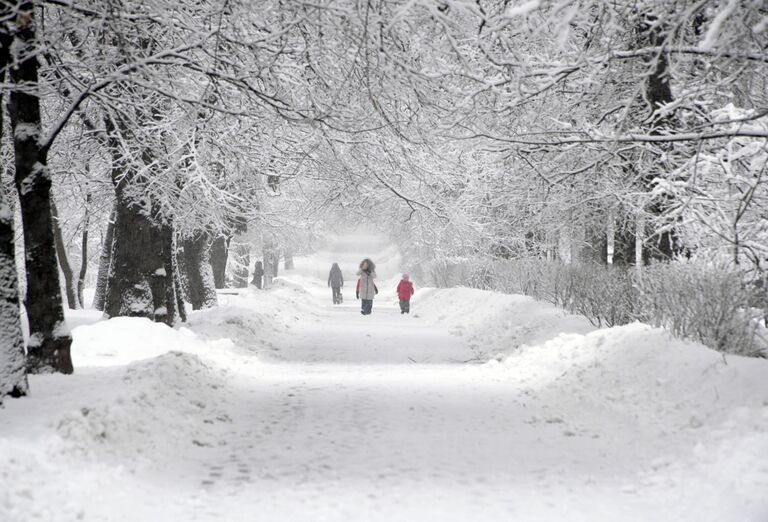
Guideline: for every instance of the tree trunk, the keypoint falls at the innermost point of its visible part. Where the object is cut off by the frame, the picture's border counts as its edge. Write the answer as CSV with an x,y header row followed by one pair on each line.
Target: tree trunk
x,y
197,261
258,275
49,344
162,281
105,259
219,254
140,273
658,96
66,269
84,253
13,372
178,289
610,235
268,270
13,369
639,236
134,260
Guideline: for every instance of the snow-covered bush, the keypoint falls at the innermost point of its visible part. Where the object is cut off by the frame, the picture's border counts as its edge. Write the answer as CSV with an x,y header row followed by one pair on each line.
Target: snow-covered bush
x,y
604,295
705,302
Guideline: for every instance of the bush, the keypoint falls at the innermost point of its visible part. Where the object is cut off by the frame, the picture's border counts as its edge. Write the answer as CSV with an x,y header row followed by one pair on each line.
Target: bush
x,y
703,302
693,300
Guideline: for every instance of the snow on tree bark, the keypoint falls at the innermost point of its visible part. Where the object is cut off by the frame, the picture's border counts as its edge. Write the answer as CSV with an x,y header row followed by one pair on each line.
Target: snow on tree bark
x,y
13,371
104,261
49,346
84,253
13,374
163,294
138,276
197,261
178,289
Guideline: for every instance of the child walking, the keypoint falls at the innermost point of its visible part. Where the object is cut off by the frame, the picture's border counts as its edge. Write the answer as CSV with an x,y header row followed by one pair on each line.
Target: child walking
x,y
404,293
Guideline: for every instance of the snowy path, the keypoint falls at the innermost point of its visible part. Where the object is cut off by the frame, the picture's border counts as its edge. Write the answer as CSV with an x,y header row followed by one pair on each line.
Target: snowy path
x,y
370,418
319,438
280,407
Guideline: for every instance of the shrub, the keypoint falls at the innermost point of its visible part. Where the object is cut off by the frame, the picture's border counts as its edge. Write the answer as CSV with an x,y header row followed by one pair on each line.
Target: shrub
x,y
708,303
705,302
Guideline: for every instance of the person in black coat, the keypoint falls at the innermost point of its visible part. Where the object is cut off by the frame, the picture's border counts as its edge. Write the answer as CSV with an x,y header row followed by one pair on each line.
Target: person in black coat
x,y
336,282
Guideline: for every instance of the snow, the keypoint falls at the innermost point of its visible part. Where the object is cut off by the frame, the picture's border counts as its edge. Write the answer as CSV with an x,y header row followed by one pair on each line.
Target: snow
x,y
280,406
522,9
713,32
25,131
6,212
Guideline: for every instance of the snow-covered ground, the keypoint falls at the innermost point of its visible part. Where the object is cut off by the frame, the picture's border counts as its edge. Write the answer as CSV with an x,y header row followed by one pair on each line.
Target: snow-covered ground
x,y
478,406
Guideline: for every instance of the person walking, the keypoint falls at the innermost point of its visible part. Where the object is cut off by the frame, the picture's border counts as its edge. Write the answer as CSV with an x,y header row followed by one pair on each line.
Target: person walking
x,y
336,282
366,289
404,293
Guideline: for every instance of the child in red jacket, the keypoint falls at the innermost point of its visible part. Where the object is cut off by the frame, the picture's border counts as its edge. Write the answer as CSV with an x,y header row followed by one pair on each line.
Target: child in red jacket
x,y
404,293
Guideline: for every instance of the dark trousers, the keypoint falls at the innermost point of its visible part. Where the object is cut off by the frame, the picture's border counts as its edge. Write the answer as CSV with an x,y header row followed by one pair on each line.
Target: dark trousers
x,y
367,306
336,294
405,307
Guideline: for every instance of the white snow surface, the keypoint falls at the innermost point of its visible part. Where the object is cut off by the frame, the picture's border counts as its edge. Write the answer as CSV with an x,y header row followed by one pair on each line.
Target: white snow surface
x,y
278,406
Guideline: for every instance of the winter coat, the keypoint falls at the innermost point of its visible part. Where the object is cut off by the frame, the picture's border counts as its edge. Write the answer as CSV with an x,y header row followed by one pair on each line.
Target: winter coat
x,y
366,289
405,290
335,278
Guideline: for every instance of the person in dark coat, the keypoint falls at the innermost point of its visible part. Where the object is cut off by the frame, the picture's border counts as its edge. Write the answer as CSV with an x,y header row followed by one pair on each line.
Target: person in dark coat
x,y
404,293
258,275
336,282
366,288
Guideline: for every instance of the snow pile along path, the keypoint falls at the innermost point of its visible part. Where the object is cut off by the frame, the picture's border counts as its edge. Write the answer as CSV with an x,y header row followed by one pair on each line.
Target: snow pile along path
x,y
495,324
478,406
704,416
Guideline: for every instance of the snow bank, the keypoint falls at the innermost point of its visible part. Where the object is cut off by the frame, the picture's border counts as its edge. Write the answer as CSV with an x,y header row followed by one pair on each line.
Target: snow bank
x,y
249,322
687,383
667,389
92,431
166,394
495,323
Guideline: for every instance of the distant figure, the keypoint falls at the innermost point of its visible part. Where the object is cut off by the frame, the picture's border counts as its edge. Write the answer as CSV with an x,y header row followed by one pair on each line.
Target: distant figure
x,y
366,289
336,282
258,275
404,293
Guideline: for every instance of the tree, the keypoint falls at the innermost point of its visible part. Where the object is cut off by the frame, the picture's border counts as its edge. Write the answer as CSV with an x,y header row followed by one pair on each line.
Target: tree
x,y
49,344
13,371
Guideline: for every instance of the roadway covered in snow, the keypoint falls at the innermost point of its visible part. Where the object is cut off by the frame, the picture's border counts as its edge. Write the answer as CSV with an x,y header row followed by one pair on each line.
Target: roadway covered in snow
x,y
478,406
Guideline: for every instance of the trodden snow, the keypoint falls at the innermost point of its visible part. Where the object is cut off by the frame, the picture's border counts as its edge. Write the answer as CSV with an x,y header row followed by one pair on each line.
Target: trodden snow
x,y
278,406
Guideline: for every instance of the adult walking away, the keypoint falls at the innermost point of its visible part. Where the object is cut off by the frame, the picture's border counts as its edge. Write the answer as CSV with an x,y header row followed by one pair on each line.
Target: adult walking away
x,y
404,293
336,282
366,288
